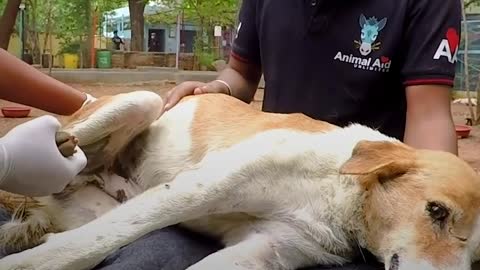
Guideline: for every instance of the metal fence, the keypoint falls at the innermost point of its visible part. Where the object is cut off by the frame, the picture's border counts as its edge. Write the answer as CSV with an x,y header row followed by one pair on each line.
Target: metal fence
x,y
473,54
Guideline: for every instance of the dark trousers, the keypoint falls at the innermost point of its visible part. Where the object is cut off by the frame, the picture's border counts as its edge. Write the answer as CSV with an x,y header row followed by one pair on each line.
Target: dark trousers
x,y
174,248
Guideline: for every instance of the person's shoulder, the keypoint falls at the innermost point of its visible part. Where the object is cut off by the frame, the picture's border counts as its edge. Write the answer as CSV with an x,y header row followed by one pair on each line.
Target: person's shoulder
x,y
415,5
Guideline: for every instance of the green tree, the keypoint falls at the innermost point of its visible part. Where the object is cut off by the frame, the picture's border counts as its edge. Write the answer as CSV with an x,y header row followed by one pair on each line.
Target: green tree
x,y
7,22
2,5
470,3
74,22
205,14
137,20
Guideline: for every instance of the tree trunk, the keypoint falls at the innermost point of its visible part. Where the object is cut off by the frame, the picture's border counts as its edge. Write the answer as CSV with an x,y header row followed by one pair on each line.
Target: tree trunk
x,y
48,26
33,37
89,37
7,22
137,7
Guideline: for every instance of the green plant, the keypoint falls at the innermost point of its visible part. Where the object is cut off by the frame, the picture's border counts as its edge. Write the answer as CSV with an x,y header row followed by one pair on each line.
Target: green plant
x,y
72,47
206,59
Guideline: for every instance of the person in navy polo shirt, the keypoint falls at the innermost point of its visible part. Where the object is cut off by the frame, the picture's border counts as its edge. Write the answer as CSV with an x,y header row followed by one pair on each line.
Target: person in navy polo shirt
x,y
388,64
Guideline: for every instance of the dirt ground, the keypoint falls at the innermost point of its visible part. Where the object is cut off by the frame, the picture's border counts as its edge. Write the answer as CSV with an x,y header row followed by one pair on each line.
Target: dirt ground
x,y
469,148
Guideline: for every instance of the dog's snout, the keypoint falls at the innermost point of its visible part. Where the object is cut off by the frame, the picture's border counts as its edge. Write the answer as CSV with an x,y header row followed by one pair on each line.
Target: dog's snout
x,y
394,262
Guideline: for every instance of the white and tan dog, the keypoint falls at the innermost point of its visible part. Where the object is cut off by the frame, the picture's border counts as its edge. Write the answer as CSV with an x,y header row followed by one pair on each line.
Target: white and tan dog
x,y
282,191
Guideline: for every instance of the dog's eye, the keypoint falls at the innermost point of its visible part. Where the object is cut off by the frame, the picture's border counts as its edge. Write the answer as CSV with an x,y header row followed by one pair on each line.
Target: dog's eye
x,y
437,211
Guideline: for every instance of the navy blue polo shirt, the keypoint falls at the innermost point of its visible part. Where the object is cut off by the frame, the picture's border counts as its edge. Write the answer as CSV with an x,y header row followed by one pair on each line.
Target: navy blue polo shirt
x,y
347,61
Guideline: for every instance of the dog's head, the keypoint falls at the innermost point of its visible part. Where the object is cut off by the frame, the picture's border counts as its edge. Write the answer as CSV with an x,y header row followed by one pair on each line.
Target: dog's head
x,y
421,208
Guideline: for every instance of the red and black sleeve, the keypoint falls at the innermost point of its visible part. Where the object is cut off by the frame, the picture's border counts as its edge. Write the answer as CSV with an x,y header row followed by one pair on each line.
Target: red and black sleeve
x,y
432,39
246,47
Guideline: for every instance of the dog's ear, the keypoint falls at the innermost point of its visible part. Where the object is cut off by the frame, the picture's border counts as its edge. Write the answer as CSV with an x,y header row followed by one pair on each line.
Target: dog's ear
x,y
379,161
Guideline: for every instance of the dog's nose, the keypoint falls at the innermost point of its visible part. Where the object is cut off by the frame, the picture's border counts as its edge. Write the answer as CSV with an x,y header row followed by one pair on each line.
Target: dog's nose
x,y
394,262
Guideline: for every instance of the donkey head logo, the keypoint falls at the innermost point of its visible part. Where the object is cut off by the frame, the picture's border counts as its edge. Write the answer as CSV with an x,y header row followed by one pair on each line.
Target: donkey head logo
x,y
370,29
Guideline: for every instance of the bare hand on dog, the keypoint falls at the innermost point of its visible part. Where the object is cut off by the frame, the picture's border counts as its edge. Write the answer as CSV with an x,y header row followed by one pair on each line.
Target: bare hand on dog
x,y
33,163
192,88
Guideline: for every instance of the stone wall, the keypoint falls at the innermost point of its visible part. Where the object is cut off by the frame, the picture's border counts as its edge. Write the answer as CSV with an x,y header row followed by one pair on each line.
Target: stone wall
x,y
132,60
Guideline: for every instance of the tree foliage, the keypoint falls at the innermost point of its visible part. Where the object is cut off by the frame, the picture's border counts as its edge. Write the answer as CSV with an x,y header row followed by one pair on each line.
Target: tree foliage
x,y
205,14
7,21
199,12
471,3
2,5
71,20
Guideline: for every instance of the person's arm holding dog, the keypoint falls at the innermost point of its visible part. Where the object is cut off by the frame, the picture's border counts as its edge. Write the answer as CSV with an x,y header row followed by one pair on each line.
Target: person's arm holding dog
x,y
24,84
429,123
239,79
241,76
30,162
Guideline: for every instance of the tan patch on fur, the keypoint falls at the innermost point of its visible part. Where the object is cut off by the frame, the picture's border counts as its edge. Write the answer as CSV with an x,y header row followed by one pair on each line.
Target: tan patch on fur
x,y
400,181
457,186
378,161
221,121
435,247
11,201
87,110
377,164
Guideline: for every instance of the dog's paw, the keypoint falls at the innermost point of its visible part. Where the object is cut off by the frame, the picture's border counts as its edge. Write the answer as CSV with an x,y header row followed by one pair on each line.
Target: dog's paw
x,y
51,255
16,262
66,143
61,251
47,236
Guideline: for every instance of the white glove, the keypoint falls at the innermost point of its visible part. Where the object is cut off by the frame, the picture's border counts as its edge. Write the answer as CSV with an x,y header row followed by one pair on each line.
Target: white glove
x,y
30,162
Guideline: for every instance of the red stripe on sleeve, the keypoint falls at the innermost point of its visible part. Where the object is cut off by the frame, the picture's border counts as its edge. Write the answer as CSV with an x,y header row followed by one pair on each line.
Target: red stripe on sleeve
x,y
441,81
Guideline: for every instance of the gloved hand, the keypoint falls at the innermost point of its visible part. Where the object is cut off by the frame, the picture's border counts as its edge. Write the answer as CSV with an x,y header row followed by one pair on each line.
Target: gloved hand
x,y
30,162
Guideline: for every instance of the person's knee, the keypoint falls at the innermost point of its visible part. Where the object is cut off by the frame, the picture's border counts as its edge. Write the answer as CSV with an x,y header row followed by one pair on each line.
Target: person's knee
x,y
171,248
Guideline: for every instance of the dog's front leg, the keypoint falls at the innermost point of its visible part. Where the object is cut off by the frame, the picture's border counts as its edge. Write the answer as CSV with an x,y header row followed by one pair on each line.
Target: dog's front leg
x,y
193,194
254,252
263,248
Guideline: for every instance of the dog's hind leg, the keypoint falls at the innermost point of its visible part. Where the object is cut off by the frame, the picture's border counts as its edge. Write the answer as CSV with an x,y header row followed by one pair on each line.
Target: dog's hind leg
x,y
106,126
210,189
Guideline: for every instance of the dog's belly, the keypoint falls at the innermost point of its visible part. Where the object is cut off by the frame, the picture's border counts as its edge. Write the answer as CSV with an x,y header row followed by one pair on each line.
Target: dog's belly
x,y
84,204
120,188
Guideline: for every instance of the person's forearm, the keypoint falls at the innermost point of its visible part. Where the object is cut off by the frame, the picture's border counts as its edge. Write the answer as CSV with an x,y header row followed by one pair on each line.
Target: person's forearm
x,y
22,83
243,79
435,133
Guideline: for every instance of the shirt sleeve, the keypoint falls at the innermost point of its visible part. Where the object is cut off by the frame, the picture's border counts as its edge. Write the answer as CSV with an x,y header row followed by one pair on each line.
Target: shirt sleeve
x,y
432,40
246,47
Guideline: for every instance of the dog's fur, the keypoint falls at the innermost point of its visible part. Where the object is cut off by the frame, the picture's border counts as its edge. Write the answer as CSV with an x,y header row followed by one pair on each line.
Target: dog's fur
x,y
282,191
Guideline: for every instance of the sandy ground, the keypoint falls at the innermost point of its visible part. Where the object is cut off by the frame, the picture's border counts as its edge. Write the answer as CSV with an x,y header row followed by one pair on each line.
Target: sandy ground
x,y
469,148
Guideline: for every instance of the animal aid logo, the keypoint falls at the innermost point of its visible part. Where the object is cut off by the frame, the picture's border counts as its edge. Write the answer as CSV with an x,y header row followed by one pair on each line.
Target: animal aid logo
x,y
448,47
370,29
